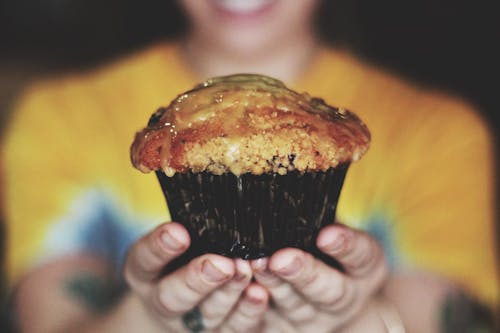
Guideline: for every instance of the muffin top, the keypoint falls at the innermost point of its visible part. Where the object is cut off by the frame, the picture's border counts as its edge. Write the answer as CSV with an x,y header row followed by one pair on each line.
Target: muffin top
x,y
248,123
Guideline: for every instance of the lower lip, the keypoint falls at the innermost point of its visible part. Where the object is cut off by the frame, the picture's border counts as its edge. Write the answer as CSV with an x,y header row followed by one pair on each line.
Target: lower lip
x,y
229,13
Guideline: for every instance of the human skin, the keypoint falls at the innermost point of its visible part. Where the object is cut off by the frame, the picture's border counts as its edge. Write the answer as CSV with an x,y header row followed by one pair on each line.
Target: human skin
x,y
277,39
323,299
313,295
280,42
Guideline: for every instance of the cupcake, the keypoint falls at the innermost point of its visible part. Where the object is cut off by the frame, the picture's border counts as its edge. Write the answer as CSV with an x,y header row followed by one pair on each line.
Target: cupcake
x,y
249,166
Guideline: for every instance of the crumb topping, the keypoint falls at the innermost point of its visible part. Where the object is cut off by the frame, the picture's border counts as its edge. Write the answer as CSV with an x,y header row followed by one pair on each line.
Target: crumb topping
x,y
248,123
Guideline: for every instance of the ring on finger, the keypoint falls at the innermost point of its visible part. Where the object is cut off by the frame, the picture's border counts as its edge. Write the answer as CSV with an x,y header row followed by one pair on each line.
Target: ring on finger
x,y
193,321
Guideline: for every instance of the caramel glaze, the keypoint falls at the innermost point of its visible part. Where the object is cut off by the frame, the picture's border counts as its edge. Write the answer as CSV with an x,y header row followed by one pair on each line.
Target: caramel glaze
x,y
231,109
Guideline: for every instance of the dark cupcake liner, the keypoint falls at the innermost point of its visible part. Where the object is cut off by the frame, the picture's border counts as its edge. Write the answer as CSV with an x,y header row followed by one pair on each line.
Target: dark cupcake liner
x,y
252,216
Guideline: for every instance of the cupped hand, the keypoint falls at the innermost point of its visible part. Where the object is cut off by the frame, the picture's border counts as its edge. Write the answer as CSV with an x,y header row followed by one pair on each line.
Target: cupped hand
x,y
211,293
310,296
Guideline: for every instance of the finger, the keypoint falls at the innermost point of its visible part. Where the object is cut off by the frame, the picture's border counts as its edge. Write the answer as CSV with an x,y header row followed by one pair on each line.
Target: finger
x,y
282,293
317,282
216,307
249,312
288,302
152,252
262,274
182,290
274,322
357,251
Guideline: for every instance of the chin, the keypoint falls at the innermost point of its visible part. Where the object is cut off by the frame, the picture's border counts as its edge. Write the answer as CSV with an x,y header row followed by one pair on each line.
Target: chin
x,y
244,45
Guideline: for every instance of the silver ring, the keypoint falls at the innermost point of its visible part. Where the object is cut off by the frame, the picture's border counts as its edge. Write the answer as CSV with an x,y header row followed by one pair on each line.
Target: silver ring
x,y
193,321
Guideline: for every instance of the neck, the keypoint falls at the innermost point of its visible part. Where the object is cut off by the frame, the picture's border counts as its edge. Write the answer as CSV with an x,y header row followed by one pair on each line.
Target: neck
x,y
285,60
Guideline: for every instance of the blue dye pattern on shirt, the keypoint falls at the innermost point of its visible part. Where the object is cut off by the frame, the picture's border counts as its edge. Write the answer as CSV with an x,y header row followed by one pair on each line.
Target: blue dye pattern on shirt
x,y
95,224
108,235
381,229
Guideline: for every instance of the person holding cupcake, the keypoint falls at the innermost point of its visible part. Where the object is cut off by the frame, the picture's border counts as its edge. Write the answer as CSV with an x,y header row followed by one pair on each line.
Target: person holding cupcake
x,y
412,248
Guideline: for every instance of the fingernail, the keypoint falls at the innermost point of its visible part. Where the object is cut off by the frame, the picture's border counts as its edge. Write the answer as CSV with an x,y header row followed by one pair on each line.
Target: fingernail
x,y
212,272
171,242
254,300
240,270
239,276
259,265
255,296
291,268
337,243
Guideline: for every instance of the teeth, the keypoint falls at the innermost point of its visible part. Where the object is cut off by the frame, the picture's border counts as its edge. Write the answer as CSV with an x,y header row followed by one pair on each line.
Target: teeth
x,y
242,6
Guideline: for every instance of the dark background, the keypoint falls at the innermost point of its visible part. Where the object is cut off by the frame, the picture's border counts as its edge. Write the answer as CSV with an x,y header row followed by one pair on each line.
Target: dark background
x,y
449,44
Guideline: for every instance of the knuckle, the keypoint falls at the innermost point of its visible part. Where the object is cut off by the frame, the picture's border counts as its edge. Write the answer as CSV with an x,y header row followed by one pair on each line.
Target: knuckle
x,y
317,280
309,276
365,257
133,281
291,303
282,292
347,301
310,280
246,314
213,310
152,247
211,318
210,324
167,296
269,280
221,298
144,256
303,313
333,296
168,305
129,277
245,317
194,286
193,282
238,286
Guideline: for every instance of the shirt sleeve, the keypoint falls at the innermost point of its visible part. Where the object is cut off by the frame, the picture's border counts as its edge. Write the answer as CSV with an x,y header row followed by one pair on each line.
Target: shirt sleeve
x,y
425,189
445,203
58,155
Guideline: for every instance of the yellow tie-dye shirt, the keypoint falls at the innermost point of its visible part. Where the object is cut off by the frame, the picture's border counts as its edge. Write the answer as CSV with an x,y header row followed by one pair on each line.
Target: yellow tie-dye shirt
x,y
425,188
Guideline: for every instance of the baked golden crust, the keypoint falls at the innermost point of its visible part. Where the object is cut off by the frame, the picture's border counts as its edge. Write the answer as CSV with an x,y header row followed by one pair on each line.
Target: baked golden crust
x,y
248,123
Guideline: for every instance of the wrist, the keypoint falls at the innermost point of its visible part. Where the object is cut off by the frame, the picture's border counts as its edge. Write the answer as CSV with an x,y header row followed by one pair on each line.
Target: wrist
x,y
378,316
389,315
130,315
